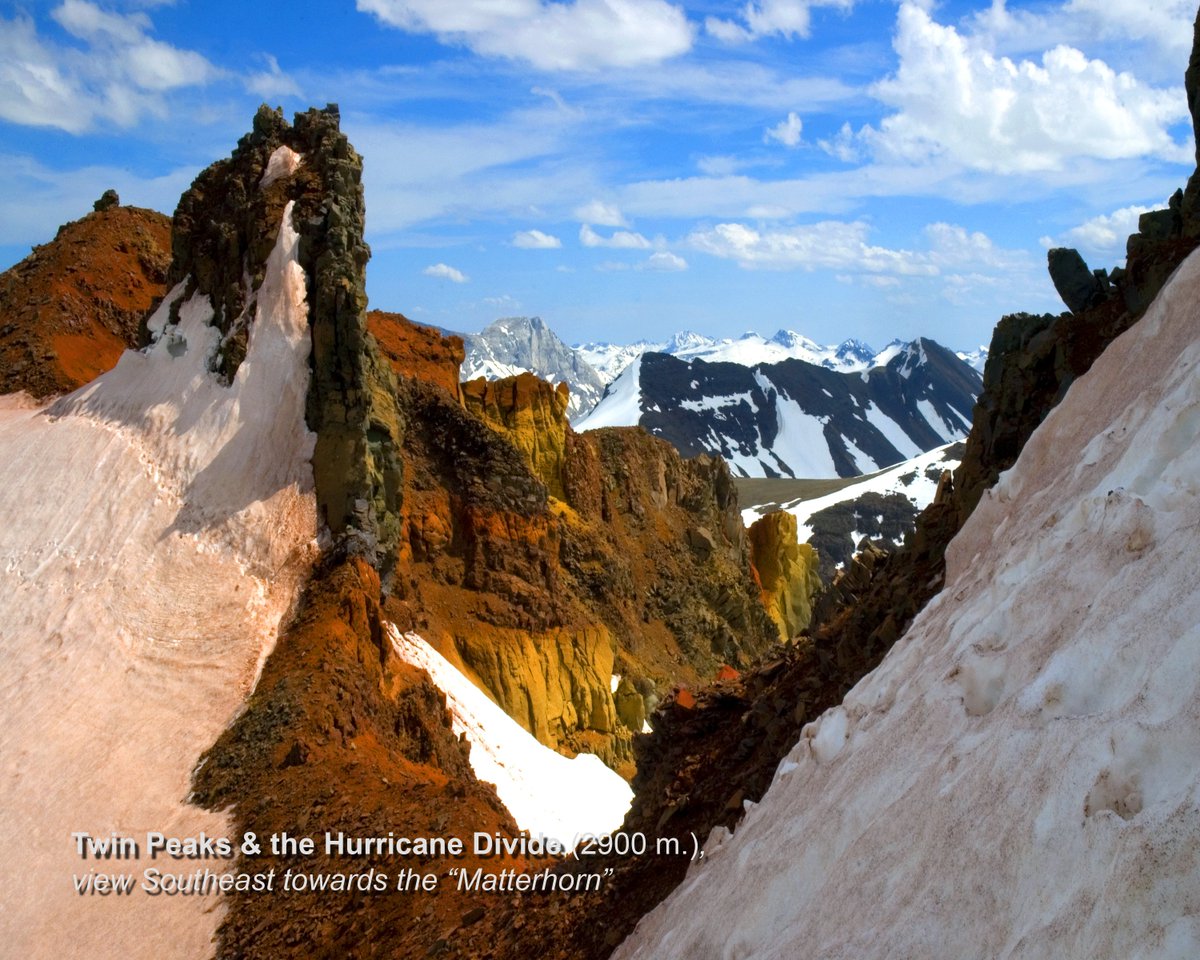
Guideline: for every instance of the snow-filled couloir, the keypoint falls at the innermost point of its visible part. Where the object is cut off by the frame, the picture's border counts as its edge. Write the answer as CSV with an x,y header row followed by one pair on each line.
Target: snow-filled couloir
x,y
548,794
1020,777
157,525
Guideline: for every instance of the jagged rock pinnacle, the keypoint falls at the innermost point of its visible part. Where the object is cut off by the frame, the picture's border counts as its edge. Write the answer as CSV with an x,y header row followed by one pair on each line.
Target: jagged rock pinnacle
x,y
224,229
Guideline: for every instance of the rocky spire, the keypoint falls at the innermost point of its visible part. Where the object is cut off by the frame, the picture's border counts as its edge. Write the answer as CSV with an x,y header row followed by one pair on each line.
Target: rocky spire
x,y
224,229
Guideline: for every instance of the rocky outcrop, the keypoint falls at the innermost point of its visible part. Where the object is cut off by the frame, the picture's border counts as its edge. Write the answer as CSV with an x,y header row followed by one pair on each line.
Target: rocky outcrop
x,y
1075,283
108,200
342,735
787,571
533,415
422,353
224,228
74,305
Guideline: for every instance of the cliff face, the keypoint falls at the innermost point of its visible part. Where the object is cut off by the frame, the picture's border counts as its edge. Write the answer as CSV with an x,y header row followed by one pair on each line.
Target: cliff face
x,y
224,227
73,306
543,563
416,351
533,415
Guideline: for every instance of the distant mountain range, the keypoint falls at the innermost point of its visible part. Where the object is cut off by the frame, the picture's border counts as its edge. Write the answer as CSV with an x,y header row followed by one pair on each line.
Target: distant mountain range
x,y
796,418
749,349
849,356
780,406
511,345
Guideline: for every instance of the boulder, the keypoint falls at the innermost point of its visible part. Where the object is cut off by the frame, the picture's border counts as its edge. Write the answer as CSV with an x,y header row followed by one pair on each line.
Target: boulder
x,y
1075,283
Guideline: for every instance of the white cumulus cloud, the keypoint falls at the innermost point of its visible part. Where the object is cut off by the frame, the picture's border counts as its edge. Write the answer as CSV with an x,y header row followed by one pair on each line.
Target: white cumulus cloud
x,y
665,262
579,35
788,18
830,244
954,98
535,240
951,246
619,240
443,271
600,213
1107,232
119,75
845,246
787,131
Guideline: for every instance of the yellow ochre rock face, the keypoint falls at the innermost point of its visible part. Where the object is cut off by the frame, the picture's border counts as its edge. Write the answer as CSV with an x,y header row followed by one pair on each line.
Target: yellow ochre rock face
x,y
533,415
553,682
787,571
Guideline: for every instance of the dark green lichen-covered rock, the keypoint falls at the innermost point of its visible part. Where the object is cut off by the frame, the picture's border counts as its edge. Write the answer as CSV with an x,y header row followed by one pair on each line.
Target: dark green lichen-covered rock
x,y
224,229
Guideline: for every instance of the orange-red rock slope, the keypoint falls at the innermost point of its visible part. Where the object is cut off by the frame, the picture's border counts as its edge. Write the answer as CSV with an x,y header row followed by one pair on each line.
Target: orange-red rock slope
x,y
69,309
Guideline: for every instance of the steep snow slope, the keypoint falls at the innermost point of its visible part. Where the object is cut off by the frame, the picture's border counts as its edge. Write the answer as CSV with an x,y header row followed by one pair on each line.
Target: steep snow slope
x,y
547,793
156,527
622,401
916,479
1021,775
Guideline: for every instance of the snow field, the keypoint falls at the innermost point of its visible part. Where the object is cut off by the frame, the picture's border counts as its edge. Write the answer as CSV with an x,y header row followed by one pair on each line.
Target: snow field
x,y
621,405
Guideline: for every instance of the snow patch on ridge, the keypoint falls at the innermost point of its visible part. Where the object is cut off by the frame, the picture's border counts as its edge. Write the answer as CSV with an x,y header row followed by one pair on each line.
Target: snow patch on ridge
x,y
910,478
1020,777
546,793
284,161
800,442
892,431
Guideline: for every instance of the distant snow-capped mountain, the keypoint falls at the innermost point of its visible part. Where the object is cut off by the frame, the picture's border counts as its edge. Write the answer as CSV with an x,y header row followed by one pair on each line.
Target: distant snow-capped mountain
x,y
796,418
609,359
513,345
975,358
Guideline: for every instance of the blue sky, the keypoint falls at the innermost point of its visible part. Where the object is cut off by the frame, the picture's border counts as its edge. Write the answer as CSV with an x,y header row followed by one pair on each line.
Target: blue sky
x,y
629,168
